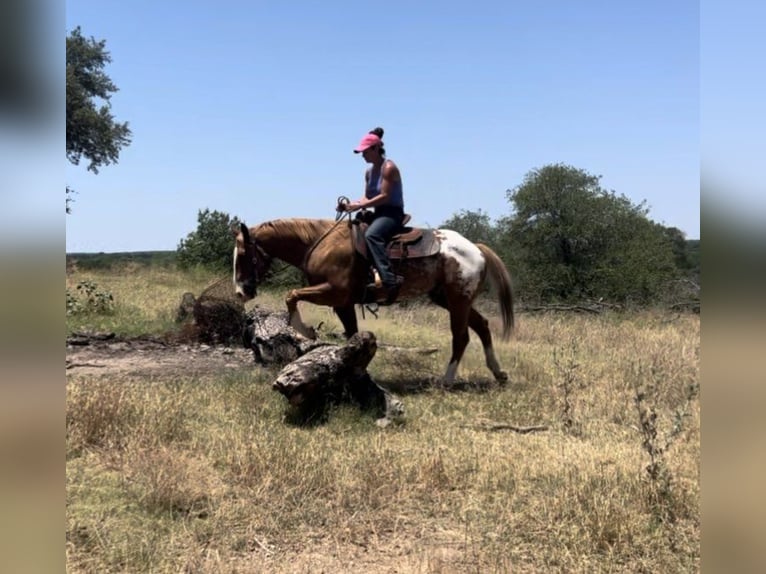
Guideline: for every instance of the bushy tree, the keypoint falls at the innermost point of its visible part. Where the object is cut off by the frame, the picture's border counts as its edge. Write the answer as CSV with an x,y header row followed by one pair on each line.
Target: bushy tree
x,y
473,225
211,245
573,240
91,130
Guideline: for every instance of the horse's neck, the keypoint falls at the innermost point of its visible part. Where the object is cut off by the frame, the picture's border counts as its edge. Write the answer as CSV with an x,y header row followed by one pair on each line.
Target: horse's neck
x,y
287,242
289,249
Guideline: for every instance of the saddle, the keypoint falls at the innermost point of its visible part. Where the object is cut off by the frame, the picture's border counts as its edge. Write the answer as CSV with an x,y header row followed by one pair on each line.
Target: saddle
x,y
408,243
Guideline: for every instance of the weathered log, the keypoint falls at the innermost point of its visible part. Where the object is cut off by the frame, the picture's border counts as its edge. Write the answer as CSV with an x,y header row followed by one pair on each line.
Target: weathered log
x,y
82,339
493,426
336,373
595,309
272,339
327,369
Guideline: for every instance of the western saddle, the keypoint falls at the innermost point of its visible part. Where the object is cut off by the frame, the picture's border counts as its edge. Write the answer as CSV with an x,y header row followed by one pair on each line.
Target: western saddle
x,y
408,243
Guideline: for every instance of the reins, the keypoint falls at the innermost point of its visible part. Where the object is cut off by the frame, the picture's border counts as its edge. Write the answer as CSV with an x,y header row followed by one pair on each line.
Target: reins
x,y
339,216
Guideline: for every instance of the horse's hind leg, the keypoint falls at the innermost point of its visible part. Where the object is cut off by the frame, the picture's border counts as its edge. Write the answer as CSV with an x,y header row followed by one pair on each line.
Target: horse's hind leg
x,y
480,325
458,322
459,326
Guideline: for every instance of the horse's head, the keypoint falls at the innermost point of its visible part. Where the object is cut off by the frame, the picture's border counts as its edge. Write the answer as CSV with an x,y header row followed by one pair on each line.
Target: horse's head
x,y
250,263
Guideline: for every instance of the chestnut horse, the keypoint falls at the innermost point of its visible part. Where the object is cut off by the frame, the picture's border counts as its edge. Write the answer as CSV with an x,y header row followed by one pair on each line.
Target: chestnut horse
x,y
337,275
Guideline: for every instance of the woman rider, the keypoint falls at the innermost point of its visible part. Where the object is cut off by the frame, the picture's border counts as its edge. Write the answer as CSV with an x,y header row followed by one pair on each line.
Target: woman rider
x,y
382,191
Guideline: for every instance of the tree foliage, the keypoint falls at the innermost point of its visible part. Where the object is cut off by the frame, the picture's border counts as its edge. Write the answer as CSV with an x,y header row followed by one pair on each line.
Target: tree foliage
x,y
211,244
475,226
573,240
91,130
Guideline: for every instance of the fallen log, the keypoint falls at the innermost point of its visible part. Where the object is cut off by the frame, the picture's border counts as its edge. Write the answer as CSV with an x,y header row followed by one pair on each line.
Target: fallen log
x,y
493,426
332,374
81,339
272,339
594,309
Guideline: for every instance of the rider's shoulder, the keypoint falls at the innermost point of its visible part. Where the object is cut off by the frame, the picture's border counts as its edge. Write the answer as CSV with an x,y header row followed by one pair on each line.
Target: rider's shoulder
x,y
390,166
391,171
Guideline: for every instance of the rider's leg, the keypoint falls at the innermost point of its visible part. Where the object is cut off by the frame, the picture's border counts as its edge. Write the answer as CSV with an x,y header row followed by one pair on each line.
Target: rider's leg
x,y
378,233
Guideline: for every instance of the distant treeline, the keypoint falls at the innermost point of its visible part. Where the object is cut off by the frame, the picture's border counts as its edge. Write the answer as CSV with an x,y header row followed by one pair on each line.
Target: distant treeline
x,y
693,255
94,261
167,259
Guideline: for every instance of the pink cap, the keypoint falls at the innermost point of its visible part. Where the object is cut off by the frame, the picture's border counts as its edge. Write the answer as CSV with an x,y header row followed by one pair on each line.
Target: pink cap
x,y
367,142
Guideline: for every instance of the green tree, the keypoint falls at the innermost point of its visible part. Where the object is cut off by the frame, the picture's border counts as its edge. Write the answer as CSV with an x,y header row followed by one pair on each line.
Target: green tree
x,y
475,226
91,130
575,240
693,256
211,244
685,251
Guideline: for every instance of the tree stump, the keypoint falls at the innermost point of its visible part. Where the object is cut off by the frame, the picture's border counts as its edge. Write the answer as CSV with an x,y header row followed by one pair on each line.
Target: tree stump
x,y
218,321
186,308
216,317
332,374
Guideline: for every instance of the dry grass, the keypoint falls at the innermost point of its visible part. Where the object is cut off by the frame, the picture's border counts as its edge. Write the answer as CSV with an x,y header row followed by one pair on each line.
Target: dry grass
x,y
202,474
146,300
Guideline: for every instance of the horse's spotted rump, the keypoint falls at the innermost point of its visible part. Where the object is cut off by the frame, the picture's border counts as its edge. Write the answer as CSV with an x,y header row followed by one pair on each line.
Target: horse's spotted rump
x,y
470,262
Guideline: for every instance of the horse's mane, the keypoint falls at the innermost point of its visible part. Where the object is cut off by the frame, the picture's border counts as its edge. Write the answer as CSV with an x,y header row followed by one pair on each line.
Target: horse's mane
x,y
308,230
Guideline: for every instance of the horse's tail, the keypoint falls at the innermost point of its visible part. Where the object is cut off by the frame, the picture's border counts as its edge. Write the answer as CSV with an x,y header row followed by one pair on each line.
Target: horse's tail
x,y
501,282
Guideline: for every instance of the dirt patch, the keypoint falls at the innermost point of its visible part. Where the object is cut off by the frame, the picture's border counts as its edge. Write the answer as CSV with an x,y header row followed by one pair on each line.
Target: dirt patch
x,y
106,354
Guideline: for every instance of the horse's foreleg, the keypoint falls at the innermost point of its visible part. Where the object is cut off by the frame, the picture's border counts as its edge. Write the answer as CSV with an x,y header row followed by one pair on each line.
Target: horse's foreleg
x,y
480,325
321,294
347,316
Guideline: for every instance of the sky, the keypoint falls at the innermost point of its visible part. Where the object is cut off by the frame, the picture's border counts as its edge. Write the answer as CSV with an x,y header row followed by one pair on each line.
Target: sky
x,y
732,117
253,108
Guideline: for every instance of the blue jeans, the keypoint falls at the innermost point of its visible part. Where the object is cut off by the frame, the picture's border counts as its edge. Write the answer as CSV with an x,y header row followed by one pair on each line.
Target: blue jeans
x,y
386,222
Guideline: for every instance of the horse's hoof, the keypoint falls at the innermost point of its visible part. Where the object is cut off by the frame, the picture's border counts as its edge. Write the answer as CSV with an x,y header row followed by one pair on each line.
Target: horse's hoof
x,y
443,384
307,332
383,422
501,377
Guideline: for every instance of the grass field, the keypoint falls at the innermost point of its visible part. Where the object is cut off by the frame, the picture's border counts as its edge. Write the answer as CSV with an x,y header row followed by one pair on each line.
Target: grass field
x,y
201,474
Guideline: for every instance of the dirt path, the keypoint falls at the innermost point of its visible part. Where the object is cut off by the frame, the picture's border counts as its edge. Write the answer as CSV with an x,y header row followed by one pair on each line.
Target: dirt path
x,y
105,354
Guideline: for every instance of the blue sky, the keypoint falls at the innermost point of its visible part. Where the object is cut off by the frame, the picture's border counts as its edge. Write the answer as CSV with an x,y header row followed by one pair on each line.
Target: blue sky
x,y
733,121
253,108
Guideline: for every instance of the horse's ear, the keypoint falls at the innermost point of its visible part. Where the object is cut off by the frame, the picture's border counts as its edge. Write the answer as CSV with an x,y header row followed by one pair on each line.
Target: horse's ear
x,y
239,227
245,231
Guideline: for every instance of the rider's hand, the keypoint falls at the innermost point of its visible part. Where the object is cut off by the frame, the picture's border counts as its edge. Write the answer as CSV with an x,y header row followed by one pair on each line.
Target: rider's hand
x,y
353,206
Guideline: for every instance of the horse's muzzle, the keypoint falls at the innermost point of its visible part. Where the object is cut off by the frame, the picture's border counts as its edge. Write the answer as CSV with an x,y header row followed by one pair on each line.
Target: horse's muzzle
x,y
246,290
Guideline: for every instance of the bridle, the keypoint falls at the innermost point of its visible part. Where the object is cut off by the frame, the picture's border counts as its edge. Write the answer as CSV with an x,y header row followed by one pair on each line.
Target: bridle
x,y
259,259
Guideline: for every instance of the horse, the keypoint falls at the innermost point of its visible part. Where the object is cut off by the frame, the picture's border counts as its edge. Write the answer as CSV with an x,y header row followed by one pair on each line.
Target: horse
x,y
337,275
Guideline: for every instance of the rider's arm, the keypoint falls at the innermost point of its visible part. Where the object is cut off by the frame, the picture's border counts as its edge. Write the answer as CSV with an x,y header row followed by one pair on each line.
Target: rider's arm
x,y
390,175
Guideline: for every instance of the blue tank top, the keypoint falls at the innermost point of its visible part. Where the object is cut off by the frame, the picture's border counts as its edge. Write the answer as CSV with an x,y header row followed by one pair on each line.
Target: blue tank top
x,y
374,183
